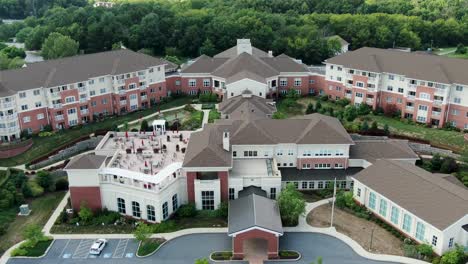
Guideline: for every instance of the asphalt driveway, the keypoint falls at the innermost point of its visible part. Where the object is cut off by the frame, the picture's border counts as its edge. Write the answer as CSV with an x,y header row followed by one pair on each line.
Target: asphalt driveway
x,y
312,245
186,249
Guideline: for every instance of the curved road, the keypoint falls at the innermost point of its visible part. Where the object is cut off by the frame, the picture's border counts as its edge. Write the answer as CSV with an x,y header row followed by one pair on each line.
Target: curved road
x,y
185,249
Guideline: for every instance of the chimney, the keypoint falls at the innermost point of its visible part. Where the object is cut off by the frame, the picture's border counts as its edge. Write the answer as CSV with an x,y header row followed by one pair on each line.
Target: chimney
x,y
226,141
243,45
270,53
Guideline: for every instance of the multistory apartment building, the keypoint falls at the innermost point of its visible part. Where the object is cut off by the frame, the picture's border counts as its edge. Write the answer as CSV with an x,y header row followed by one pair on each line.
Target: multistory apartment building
x,y
425,88
66,92
243,68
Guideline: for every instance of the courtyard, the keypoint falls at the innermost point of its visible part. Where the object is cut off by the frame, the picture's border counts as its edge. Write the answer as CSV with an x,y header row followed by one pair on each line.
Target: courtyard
x,y
369,235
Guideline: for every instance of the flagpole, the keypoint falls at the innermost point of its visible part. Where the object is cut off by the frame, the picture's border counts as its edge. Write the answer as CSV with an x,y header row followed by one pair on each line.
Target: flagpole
x,y
333,203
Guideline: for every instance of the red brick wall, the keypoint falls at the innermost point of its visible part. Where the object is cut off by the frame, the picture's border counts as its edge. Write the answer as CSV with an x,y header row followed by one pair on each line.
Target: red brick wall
x,y
223,180
191,176
171,83
461,118
238,242
34,124
199,85
90,195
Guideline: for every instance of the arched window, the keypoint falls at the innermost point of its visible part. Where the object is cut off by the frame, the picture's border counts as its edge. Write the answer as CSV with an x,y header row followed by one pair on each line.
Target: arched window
x,y
165,210
136,209
121,206
151,212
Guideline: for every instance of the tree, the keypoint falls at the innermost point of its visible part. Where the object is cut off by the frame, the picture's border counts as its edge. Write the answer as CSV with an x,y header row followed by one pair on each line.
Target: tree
x,y
144,125
374,126
449,165
363,109
202,261
13,52
318,105
142,232
350,113
208,48
291,204
461,49
436,162
386,129
454,256
310,108
44,179
57,45
364,126
85,212
33,233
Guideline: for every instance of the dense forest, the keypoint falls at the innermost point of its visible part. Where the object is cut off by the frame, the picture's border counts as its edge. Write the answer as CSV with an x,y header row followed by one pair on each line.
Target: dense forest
x,y
296,27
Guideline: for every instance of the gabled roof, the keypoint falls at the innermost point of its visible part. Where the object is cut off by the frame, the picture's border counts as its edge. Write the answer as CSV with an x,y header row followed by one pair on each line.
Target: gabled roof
x,y
374,149
246,63
205,149
430,197
412,65
232,52
74,69
203,64
86,161
240,106
254,211
284,63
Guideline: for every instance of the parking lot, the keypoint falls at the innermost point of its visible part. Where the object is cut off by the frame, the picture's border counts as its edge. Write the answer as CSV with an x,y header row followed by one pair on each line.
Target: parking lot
x,y
79,249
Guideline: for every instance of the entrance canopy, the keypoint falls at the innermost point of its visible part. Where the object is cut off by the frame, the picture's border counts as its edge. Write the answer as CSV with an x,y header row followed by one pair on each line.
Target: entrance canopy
x,y
254,212
254,217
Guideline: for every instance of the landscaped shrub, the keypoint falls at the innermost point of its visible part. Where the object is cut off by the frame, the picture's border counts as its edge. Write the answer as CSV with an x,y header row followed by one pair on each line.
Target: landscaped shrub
x,y
165,227
34,188
187,210
343,102
364,109
144,125
350,113
222,255
310,108
223,210
449,165
61,184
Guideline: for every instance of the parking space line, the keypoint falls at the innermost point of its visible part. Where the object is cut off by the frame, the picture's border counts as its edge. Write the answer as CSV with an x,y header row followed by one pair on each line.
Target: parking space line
x,y
66,245
82,251
120,249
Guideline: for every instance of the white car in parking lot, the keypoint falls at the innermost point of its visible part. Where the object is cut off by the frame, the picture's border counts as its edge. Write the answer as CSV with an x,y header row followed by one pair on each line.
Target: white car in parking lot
x,y
98,246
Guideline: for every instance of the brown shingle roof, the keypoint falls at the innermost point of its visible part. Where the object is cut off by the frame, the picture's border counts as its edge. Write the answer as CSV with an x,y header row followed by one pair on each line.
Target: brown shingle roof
x,y
429,197
205,147
87,161
239,106
232,52
417,66
371,150
74,69
203,64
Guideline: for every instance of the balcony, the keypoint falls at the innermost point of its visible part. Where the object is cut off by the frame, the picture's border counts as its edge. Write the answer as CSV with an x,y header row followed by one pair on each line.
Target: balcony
x,y
371,90
57,105
122,91
9,117
439,91
84,111
83,100
55,94
144,97
410,108
369,100
436,113
7,105
59,117
412,86
82,89
410,97
143,87
123,102
438,102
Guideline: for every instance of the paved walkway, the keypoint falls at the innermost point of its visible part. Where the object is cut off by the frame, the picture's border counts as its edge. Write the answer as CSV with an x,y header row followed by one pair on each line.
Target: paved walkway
x,y
303,226
206,114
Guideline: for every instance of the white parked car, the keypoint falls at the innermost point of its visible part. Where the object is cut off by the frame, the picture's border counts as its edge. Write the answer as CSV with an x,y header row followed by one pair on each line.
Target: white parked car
x,y
98,246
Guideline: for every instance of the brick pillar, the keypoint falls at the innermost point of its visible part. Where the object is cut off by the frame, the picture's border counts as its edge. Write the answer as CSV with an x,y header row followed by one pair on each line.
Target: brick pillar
x,y
191,176
223,180
238,250
273,244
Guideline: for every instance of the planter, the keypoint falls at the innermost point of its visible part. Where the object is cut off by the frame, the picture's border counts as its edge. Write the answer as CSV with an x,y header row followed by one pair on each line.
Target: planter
x,y
221,255
289,255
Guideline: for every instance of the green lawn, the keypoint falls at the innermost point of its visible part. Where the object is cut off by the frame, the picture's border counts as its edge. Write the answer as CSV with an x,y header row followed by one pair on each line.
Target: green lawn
x,y
44,145
450,52
447,139
41,207
213,115
35,251
148,247
452,140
